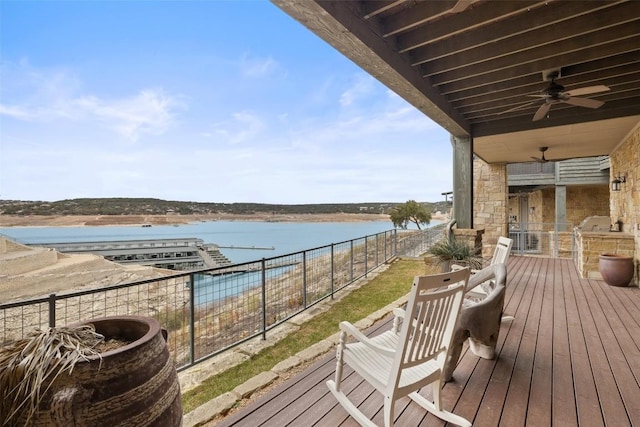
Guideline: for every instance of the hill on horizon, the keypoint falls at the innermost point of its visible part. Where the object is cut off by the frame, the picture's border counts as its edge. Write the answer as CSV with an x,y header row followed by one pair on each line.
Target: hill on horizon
x,y
150,206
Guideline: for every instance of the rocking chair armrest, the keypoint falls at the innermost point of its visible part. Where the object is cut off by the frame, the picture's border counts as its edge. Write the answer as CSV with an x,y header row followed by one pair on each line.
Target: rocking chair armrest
x,y
456,267
362,338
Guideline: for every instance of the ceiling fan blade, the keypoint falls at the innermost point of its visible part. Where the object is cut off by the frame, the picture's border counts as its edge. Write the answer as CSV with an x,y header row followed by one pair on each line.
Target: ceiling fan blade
x,y
519,107
539,160
587,90
583,102
542,111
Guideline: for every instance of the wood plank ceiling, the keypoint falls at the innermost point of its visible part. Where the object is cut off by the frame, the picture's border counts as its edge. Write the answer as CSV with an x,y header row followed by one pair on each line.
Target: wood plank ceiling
x,y
475,67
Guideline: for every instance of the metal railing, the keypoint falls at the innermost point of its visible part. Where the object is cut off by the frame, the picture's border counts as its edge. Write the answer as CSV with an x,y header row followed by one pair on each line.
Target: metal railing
x,y
549,239
413,244
209,311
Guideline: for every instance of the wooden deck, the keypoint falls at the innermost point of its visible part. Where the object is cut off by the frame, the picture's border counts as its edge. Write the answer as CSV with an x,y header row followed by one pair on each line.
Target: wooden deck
x,y
571,357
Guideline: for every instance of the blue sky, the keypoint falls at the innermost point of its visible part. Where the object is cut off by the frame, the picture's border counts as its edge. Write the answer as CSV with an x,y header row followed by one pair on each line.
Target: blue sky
x,y
209,101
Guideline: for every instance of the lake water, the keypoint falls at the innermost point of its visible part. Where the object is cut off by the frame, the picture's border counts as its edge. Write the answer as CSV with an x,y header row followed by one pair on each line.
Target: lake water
x,y
284,237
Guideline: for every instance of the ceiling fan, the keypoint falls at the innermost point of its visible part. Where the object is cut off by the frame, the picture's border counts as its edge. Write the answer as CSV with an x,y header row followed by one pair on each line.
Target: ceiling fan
x,y
541,159
555,94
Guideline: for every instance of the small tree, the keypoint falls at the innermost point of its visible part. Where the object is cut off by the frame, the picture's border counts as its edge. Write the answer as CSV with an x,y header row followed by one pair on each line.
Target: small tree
x,y
411,211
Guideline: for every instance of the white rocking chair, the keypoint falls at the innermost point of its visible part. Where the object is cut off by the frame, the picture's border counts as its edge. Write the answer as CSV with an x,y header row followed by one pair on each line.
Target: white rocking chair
x,y
401,361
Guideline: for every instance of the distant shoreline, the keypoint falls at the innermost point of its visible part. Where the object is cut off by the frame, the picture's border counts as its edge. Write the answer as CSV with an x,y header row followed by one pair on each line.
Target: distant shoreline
x,y
139,220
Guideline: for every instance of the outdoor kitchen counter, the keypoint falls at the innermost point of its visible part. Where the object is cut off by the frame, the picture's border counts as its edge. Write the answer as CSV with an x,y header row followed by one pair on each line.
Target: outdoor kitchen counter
x,y
591,244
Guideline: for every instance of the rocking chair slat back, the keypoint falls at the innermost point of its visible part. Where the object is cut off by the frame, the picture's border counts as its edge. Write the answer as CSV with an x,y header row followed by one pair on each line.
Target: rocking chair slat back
x,y
429,333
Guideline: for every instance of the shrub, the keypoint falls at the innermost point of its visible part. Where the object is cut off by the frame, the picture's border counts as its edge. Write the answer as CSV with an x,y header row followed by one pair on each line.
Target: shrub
x,y
452,250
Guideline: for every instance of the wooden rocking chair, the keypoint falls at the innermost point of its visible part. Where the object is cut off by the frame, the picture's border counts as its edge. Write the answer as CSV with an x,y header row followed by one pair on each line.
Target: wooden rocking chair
x,y
411,355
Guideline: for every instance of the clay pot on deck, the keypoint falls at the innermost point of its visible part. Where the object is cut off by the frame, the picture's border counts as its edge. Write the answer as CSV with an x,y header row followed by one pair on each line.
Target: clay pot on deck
x,y
616,270
133,385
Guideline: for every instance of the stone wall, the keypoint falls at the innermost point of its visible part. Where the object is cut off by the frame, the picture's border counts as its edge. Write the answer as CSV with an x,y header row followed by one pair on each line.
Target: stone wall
x,y
490,203
592,244
565,244
625,204
470,236
586,200
582,201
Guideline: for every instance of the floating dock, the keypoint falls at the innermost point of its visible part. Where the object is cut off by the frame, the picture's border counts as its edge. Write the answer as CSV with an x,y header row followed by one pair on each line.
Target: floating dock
x,y
174,254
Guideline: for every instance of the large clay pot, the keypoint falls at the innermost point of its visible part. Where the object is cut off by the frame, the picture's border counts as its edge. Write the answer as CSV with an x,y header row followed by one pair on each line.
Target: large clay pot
x,y
616,270
133,385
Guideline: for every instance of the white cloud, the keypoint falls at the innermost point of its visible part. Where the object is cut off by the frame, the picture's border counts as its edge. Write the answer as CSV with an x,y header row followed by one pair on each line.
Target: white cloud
x,y
150,111
16,112
363,86
244,126
50,95
257,67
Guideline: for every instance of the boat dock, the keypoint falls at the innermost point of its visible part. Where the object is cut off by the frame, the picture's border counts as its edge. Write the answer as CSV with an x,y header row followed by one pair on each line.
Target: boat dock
x,y
174,254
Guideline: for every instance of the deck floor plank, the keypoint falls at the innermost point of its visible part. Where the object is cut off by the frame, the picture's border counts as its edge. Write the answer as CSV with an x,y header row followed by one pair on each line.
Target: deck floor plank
x,y
515,407
563,404
610,401
570,357
615,337
542,379
588,408
521,286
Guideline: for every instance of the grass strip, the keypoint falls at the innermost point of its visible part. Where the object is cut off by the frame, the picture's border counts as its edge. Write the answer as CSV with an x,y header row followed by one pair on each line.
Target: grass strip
x,y
382,290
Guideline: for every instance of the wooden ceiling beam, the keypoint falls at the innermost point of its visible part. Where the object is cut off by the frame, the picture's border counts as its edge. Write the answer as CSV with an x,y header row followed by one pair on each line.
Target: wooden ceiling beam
x,y
371,9
562,39
521,29
417,15
482,15
502,69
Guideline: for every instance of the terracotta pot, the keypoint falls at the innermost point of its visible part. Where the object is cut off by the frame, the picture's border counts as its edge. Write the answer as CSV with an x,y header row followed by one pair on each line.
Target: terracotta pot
x,y
133,385
616,270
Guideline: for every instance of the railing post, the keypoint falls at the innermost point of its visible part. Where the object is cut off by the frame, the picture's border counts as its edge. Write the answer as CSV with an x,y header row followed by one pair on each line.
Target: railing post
x,y
385,247
351,260
192,317
304,279
377,250
52,310
264,299
366,255
332,271
395,241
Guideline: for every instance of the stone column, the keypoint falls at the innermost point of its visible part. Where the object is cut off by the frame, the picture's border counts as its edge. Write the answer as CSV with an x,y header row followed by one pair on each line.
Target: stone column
x,y
471,236
561,215
490,202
